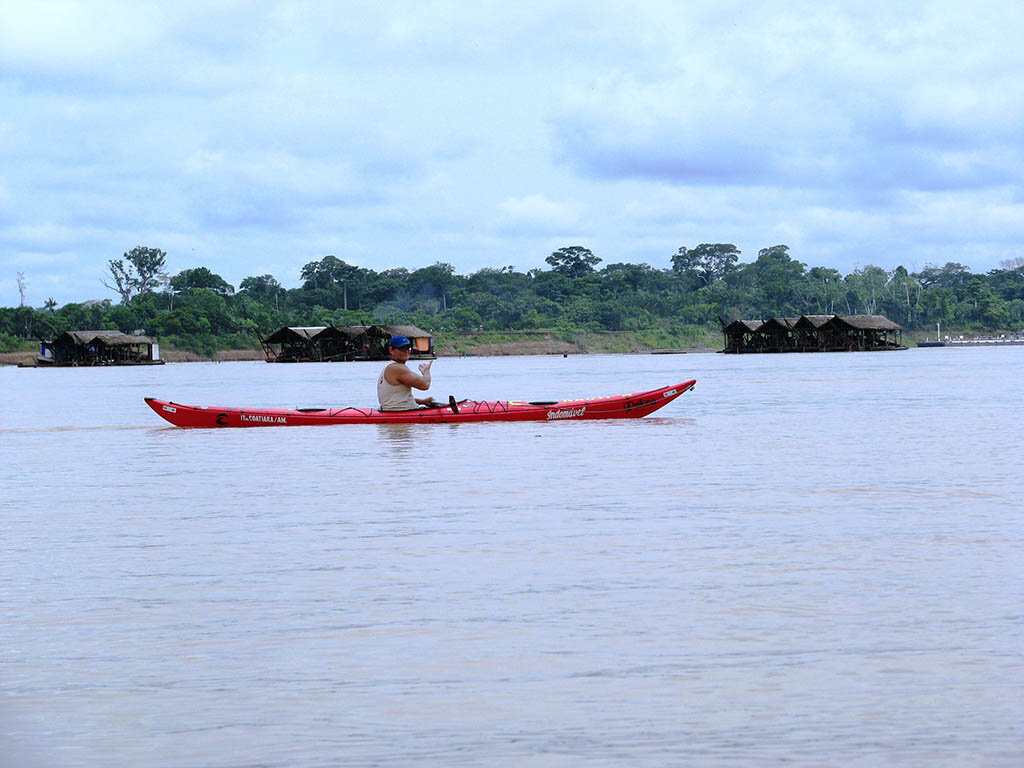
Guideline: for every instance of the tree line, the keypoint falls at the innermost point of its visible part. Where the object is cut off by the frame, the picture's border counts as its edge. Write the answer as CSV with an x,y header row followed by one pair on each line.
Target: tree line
x,y
198,309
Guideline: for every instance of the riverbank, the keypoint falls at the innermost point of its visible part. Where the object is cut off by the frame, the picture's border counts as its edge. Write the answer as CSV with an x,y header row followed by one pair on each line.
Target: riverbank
x,y
490,344
497,343
507,343
168,355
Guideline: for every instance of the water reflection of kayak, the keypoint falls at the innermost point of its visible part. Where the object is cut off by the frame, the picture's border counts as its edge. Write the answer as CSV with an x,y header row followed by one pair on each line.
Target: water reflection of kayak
x,y
632,406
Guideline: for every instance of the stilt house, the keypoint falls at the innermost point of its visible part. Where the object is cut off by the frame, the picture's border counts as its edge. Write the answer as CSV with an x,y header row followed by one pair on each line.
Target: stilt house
x,y
813,333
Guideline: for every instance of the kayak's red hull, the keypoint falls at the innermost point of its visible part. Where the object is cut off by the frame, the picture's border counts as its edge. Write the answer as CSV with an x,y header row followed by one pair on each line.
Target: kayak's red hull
x,y
631,406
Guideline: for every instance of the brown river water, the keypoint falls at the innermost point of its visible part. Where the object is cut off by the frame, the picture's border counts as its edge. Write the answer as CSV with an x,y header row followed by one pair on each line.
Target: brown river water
x,y
810,560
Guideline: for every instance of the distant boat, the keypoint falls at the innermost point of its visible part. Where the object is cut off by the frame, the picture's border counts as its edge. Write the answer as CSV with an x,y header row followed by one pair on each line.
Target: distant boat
x,y
1014,339
937,342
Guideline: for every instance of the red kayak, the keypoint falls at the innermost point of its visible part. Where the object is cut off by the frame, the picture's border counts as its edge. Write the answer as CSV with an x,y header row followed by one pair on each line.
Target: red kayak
x,y
632,406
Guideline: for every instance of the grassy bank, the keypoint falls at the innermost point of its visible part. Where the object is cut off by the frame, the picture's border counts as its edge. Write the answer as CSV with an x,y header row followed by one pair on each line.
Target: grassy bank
x,y
219,356
555,342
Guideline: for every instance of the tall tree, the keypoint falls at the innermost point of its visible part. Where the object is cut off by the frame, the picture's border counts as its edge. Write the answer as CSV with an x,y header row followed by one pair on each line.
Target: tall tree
x,y
327,272
261,285
778,282
434,281
709,261
867,286
905,291
123,280
573,261
952,275
826,288
201,277
310,274
140,274
332,274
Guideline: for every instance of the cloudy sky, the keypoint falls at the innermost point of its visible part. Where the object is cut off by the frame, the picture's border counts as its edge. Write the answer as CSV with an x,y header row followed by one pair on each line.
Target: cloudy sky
x,y
254,137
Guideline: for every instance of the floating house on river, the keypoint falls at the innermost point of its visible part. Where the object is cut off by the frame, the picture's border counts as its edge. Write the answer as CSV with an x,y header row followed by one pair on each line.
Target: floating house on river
x,y
77,348
325,344
741,336
813,333
294,344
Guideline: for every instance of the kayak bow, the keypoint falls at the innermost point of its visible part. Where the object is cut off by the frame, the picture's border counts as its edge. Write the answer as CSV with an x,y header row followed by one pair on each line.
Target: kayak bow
x,y
631,406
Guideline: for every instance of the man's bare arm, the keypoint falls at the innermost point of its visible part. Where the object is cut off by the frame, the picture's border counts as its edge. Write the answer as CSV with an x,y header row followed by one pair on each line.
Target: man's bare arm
x,y
410,379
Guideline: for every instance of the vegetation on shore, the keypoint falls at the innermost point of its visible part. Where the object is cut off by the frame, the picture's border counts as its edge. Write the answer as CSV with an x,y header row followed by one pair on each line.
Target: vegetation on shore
x,y
573,306
484,343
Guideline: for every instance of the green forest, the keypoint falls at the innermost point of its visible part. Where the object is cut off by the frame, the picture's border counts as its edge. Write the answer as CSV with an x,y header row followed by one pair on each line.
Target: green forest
x,y
697,288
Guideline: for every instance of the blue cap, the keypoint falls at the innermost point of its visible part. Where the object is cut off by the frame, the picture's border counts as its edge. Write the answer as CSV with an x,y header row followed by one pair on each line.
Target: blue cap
x,y
399,341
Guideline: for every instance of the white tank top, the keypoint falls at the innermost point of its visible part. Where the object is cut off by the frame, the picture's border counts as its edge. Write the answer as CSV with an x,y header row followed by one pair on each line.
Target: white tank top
x,y
395,397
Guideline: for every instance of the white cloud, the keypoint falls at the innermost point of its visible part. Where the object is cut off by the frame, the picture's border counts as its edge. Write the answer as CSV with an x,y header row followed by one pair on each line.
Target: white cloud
x,y
535,212
804,97
489,134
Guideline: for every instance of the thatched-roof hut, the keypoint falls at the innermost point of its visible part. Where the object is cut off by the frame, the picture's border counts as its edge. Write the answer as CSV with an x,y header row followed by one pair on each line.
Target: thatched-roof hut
x,y
342,343
741,336
422,342
864,332
776,334
813,333
73,348
296,344
807,333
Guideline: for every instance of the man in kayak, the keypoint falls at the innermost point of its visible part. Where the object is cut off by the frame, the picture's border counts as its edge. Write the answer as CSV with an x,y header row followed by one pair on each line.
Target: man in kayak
x,y
396,382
